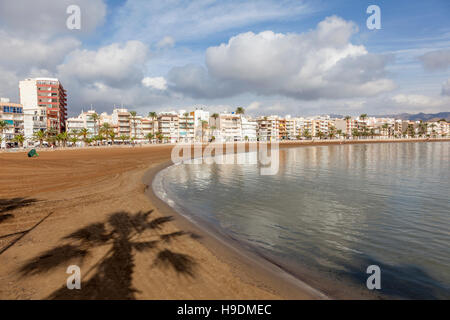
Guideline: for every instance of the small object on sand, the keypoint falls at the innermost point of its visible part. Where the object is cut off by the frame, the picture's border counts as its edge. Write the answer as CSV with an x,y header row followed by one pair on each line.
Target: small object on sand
x,y
33,153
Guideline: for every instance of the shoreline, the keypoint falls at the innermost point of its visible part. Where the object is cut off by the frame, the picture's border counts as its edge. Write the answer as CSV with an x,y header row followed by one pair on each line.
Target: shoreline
x,y
78,187
248,265
235,251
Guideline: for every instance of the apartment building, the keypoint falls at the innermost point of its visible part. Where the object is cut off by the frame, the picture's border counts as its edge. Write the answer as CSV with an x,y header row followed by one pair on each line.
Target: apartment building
x,y
303,126
121,122
249,129
321,125
149,126
44,102
186,123
12,114
168,126
200,116
228,127
83,120
268,128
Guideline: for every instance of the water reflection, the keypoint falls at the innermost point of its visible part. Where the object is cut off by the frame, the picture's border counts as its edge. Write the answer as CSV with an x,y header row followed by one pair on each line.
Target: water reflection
x,y
334,209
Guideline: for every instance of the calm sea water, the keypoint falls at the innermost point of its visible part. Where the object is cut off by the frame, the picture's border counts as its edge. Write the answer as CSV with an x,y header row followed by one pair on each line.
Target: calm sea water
x,y
331,211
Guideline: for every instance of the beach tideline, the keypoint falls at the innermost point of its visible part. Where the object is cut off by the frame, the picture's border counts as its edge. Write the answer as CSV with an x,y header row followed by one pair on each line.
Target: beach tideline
x,y
88,207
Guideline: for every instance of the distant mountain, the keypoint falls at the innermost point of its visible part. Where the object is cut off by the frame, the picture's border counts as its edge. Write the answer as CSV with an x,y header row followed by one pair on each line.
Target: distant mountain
x,y
417,117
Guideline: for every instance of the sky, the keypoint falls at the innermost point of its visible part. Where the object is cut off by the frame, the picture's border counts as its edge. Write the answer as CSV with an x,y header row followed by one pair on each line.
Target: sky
x,y
294,57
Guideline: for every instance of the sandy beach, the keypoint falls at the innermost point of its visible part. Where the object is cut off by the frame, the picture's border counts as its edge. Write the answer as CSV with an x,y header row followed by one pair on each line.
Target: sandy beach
x,y
91,208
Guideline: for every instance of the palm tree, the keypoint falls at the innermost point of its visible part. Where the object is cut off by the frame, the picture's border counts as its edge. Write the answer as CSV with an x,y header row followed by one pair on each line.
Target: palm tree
x,y
74,132
123,138
363,116
152,115
105,128
3,126
159,136
58,139
19,139
84,133
347,118
240,110
40,136
112,136
73,139
96,118
133,115
150,136
64,137
204,126
306,134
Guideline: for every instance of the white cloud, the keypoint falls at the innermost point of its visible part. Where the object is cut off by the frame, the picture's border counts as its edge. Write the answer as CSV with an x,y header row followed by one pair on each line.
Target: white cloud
x,y
157,83
166,42
321,63
418,100
21,54
438,60
117,65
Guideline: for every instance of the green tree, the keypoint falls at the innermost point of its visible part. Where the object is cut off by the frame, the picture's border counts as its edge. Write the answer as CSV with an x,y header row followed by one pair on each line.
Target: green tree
x,y
123,138
112,136
19,139
240,110
40,136
73,139
3,126
84,133
150,136
133,119
96,118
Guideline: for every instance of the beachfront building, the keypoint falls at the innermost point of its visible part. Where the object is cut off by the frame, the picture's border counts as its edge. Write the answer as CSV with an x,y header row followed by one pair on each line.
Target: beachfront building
x,y
44,104
168,126
186,125
201,123
12,114
268,128
121,121
149,126
321,126
228,127
83,120
303,127
291,128
249,129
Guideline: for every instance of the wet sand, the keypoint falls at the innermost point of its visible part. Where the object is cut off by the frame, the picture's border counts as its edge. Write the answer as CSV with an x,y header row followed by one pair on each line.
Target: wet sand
x,y
90,207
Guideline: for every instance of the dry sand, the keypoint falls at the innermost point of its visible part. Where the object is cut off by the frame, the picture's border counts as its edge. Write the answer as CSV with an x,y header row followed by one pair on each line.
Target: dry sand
x,y
88,207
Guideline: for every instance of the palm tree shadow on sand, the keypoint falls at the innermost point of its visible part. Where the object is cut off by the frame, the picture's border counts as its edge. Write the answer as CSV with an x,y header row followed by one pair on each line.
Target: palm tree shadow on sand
x,y
7,205
112,274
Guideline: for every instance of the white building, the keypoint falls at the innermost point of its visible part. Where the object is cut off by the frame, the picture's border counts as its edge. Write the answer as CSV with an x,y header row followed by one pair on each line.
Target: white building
x,y
249,129
44,105
83,120
228,127
12,114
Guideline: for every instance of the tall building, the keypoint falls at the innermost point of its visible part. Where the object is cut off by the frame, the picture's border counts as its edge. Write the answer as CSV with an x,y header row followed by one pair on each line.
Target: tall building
x,y
44,105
